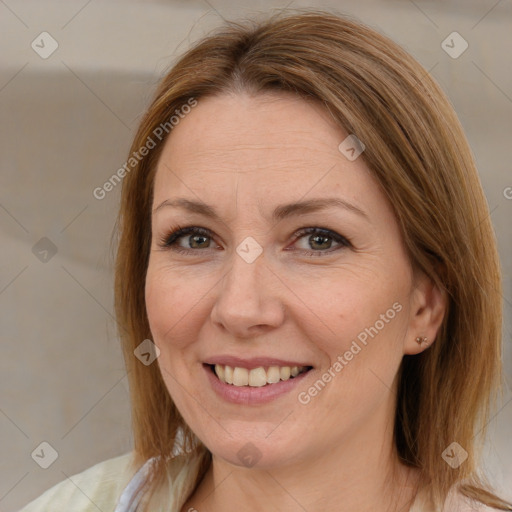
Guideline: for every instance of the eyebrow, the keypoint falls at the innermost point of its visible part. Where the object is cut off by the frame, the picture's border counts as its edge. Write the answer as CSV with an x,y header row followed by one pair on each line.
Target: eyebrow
x,y
280,212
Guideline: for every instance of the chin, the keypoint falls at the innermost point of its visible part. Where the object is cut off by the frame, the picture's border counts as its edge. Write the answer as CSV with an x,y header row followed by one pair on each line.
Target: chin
x,y
250,452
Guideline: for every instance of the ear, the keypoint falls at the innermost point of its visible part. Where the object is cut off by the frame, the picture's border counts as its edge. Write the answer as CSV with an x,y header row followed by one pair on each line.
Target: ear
x,y
427,310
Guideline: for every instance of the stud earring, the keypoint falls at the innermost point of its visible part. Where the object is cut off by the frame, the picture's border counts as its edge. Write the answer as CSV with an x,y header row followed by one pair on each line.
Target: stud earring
x,y
421,339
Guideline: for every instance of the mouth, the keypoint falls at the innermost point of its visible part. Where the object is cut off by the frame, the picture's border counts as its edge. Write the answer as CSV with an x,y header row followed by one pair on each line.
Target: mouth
x,y
262,376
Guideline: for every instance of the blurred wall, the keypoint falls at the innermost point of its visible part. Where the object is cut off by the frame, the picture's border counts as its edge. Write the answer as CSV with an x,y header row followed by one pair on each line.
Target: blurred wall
x,y
67,121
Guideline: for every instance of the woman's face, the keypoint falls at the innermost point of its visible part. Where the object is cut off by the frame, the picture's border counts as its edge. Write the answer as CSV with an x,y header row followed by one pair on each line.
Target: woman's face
x,y
257,288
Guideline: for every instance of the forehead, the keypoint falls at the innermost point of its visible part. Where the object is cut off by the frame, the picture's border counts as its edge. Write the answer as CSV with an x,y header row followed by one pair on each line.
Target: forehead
x,y
274,122
265,147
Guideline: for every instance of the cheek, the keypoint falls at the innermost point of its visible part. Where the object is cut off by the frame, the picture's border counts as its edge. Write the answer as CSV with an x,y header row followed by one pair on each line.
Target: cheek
x,y
364,318
171,306
348,302
171,315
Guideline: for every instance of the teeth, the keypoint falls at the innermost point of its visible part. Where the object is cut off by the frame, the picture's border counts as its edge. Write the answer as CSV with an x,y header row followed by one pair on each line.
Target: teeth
x,y
285,372
219,370
240,376
257,377
273,374
228,375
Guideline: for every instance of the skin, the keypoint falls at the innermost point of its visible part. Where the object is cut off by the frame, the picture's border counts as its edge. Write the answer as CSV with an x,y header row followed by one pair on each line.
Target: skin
x,y
244,155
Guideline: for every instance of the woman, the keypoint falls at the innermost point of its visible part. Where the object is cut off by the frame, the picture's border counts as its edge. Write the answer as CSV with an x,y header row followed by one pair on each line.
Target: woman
x,y
307,285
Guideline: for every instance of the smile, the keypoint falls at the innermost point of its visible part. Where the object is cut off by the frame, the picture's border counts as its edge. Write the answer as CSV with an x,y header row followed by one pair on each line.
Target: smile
x,y
256,377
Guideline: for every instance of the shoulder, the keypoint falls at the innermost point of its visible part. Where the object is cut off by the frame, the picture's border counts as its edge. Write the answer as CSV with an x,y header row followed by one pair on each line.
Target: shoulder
x,y
96,488
455,502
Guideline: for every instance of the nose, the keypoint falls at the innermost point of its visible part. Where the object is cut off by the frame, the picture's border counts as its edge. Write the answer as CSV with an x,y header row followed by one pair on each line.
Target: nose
x,y
248,301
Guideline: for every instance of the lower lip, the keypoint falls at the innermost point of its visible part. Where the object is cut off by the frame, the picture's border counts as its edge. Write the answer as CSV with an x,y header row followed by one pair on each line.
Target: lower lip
x,y
247,395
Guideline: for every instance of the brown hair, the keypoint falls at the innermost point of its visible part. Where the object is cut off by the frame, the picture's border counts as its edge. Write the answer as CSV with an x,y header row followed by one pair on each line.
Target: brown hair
x,y
417,150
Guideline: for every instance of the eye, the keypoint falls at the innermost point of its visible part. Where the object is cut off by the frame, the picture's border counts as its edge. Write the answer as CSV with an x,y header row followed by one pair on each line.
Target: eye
x,y
200,238
196,236
322,238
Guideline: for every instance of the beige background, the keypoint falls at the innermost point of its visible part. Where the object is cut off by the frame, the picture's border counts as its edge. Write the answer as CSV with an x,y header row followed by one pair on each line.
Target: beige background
x,y
66,126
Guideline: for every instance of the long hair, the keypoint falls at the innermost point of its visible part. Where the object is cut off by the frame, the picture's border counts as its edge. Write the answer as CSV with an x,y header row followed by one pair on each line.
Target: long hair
x,y
416,149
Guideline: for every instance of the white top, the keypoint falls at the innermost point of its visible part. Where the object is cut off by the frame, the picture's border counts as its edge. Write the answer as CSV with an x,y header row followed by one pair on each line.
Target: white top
x,y
110,487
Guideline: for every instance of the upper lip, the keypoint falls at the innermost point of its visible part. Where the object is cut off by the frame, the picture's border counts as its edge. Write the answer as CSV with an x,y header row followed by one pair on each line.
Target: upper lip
x,y
253,362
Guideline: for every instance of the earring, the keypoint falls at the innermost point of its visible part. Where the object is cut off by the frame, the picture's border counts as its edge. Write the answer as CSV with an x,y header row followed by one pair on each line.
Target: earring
x,y
421,339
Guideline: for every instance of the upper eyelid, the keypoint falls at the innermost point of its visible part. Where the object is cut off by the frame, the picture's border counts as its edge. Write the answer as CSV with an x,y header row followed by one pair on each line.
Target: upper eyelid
x,y
297,234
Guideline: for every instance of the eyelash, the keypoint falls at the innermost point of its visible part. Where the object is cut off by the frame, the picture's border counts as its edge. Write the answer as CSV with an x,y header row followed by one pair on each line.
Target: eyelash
x,y
169,241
